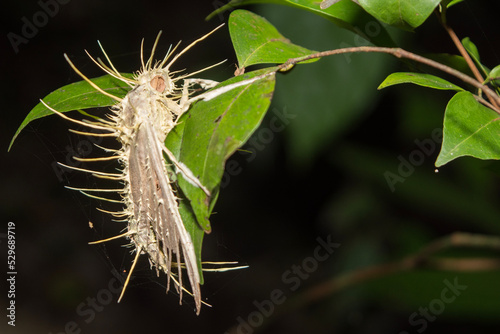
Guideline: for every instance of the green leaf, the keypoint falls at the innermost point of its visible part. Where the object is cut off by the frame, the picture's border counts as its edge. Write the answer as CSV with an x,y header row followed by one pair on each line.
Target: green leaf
x,y
78,95
256,41
421,79
345,14
213,130
316,103
470,129
474,53
406,14
453,2
471,49
494,76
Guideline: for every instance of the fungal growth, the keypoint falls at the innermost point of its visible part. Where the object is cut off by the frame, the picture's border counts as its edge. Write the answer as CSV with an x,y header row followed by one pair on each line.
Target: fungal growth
x,y
140,122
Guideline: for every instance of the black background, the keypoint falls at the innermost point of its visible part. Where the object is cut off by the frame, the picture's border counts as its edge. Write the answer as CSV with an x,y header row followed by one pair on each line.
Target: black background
x,y
266,217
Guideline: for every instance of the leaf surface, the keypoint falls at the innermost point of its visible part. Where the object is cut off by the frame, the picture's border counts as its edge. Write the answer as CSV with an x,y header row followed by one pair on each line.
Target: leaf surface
x,y
77,95
213,130
470,129
421,79
406,14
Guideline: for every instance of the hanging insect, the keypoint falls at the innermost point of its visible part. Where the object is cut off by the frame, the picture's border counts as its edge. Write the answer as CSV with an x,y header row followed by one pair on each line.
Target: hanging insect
x,y
140,122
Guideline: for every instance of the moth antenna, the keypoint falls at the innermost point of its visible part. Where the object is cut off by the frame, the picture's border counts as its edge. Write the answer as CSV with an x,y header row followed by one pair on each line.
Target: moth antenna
x,y
150,60
107,58
199,71
169,53
128,81
110,71
74,120
191,45
109,239
130,274
89,81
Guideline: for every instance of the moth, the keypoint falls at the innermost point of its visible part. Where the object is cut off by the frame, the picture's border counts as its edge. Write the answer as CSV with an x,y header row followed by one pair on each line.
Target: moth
x,y
140,122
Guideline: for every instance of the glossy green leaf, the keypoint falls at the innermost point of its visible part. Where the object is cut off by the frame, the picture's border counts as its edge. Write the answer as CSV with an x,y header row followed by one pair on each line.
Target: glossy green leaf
x,y
454,2
494,76
470,129
78,95
474,53
316,103
471,49
345,14
256,41
421,79
213,130
407,14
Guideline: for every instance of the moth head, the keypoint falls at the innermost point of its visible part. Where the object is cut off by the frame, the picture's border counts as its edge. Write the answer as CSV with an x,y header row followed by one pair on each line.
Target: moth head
x,y
162,84
158,81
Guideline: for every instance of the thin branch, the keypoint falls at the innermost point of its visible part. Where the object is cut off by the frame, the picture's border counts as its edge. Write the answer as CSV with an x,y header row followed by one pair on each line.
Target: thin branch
x,y
464,53
486,103
400,53
466,56
421,259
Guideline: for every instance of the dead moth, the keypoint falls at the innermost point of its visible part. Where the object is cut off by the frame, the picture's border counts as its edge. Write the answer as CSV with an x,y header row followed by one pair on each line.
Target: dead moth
x,y
140,122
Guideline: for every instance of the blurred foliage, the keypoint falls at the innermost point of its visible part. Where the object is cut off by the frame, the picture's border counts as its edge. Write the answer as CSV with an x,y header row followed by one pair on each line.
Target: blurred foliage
x,y
356,135
323,175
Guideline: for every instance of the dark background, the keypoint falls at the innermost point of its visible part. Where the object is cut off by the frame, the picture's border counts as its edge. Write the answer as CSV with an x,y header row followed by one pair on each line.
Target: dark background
x,y
269,215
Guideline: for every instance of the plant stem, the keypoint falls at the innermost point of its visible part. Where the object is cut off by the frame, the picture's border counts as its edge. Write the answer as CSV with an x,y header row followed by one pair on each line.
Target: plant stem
x,y
421,259
400,53
466,56
418,260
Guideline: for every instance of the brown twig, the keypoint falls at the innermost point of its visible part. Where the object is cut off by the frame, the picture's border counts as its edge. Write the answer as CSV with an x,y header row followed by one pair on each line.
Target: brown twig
x,y
400,53
463,52
466,56
421,259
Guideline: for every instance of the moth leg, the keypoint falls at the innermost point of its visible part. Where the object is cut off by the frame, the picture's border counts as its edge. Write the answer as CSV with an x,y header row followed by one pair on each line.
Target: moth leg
x,y
185,171
205,84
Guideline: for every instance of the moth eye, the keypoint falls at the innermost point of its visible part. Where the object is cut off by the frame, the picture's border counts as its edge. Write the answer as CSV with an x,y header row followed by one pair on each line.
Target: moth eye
x,y
158,83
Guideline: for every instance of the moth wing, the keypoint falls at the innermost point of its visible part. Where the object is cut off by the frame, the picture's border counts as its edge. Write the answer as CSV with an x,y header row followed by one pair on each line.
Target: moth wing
x,y
167,222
